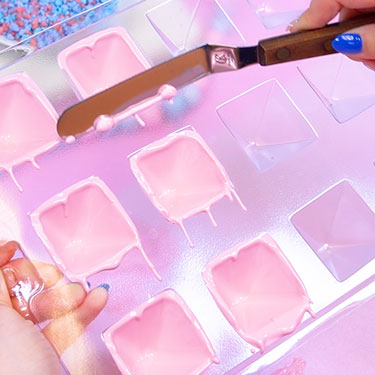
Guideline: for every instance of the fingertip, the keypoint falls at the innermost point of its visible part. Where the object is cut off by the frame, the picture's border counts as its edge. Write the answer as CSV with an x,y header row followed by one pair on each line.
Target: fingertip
x,y
306,21
95,302
292,26
348,43
297,24
367,36
98,298
318,15
369,65
7,251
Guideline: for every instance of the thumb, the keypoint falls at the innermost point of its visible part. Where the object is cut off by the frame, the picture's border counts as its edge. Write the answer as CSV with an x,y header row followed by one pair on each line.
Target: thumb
x,y
358,44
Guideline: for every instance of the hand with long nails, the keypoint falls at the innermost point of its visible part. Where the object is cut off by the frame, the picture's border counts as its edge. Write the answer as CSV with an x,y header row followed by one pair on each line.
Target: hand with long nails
x,y
67,309
359,43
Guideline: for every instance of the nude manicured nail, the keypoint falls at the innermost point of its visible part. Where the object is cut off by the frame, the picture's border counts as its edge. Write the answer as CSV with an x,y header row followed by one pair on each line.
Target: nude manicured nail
x,y
292,25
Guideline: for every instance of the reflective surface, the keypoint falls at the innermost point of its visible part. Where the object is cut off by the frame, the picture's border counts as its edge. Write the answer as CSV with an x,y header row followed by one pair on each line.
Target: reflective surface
x,y
340,152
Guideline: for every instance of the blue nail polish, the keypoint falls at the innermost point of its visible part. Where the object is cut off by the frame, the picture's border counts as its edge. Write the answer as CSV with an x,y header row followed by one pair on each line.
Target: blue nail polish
x,y
105,286
348,43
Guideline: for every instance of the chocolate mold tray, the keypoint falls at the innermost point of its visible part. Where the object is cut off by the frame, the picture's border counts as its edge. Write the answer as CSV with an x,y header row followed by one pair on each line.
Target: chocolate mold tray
x,y
274,199
331,345
345,88
269,126
194,22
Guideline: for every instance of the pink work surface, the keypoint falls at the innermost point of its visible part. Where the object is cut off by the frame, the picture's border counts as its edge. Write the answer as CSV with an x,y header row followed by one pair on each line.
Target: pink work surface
x,y
290,161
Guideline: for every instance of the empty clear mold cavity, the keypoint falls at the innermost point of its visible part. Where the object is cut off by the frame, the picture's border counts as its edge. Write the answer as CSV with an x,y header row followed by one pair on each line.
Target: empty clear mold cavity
x,y
267,124
345,87
185,24
340,227
274,13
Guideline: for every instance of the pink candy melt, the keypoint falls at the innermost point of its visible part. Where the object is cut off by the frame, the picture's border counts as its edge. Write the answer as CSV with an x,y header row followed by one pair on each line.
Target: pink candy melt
x,y
182,176
27,122
107,122
162,337
258,291
101,61
86,230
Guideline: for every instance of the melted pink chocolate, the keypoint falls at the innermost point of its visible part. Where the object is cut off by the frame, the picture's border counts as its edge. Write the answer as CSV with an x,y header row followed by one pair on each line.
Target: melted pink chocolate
x,y
258,291
27,123
182,177
102,60
161,337
71,139
107,122
86,230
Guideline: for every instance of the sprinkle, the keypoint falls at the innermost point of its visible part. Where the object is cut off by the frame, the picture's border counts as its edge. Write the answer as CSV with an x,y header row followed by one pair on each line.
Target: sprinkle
x,y
22,18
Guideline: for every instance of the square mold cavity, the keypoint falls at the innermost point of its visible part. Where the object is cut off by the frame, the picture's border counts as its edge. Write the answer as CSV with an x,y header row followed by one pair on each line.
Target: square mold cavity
x,y
161,337
185,24
182,176
345,87
274,13
267,124
27,122
258,291
86,230
340,228
102,60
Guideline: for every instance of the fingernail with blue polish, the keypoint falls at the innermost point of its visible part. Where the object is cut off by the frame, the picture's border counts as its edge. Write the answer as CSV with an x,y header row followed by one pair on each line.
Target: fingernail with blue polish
x,y
105,286
348,43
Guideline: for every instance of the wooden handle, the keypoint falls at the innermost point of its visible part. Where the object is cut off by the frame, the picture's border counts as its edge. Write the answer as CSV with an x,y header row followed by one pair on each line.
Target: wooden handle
x,y
306,44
